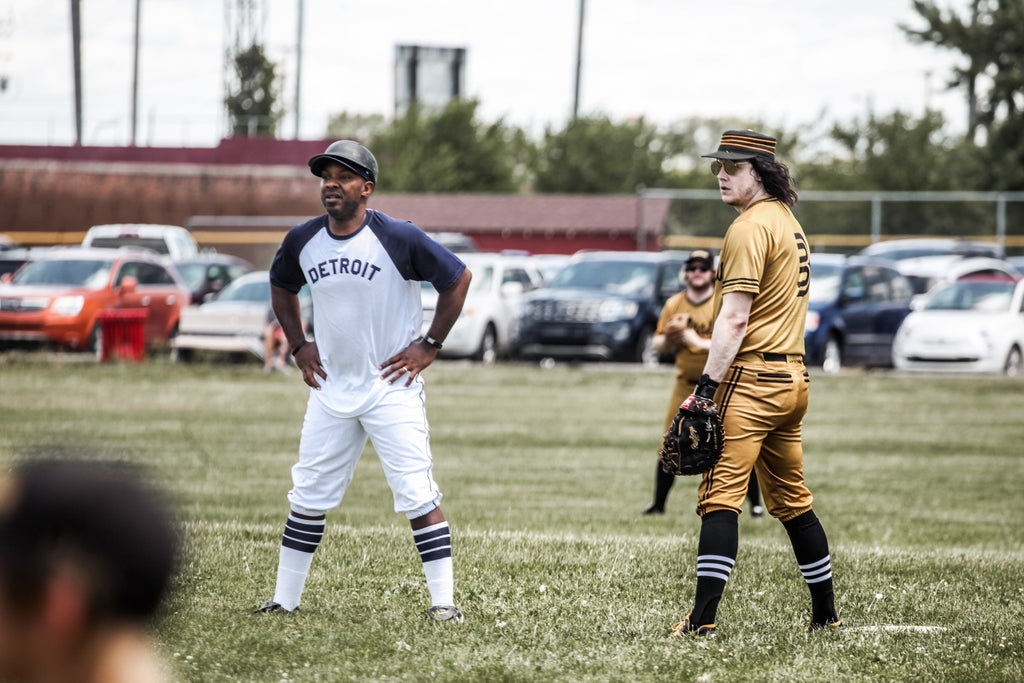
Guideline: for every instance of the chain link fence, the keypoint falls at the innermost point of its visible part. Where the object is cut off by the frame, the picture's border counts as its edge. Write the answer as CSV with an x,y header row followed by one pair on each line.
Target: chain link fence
x,y
846,222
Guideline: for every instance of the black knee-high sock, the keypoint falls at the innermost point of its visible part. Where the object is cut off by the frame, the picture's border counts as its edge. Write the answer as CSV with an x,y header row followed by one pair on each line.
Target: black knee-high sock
x,y
716,556
662,483
810,545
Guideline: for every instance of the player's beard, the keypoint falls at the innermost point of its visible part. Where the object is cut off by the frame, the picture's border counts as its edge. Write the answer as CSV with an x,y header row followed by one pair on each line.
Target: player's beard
x,y
345,212
698,294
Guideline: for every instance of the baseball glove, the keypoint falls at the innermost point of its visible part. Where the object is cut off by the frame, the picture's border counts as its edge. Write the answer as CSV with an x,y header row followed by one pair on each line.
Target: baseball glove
x,y
693,444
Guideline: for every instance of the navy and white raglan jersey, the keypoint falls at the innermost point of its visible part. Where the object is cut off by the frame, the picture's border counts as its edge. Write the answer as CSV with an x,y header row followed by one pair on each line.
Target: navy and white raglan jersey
x,y
366,299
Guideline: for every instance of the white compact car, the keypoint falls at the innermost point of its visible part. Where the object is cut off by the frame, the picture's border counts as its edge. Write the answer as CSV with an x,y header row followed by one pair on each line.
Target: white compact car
x,y
485,326
235,321
974,324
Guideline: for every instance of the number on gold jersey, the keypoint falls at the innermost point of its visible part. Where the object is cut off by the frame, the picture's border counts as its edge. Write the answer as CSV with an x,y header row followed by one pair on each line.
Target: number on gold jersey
x,y
803,282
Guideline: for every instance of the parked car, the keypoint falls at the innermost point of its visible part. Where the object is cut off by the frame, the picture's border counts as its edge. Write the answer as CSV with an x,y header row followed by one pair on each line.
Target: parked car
x,y
926,272
550,265
925,260
960,267
209,272
457,242
173,241
975,324
601,306
235,321
485,326
856,306
12,259
57,298
917,247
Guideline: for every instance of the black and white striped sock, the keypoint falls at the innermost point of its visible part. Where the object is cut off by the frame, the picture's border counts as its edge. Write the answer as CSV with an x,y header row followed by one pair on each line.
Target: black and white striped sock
x,y
810,545
716,557
300,540
434,544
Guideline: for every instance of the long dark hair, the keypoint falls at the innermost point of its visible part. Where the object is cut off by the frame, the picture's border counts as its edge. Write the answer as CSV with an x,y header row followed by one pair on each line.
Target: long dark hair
x,y
776,179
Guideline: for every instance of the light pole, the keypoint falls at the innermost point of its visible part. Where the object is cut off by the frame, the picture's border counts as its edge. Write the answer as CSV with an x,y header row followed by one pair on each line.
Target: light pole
x,y
579,61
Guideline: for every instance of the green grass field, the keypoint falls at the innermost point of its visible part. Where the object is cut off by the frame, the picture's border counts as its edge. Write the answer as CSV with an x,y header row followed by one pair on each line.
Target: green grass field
x,y
918,481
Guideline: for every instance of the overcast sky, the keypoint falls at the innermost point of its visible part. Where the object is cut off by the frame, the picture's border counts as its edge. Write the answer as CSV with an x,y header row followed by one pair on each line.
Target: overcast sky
x,y
791,63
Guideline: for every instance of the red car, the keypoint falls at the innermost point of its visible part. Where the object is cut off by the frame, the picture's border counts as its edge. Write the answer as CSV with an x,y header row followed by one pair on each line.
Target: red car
x,y
56,299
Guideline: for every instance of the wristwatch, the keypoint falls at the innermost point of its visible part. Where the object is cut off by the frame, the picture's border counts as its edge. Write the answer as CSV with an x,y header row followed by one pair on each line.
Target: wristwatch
x,y
427,339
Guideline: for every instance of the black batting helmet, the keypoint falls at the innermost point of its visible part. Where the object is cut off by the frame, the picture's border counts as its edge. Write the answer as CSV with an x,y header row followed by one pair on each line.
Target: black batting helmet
x,y
349,154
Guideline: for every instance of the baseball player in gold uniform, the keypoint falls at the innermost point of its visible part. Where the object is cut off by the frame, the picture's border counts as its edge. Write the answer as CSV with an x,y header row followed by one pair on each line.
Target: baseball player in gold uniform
x,y
755,365
685,329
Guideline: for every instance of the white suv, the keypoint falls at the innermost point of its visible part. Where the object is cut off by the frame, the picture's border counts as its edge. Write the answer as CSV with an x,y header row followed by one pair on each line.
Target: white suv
x,y
172,240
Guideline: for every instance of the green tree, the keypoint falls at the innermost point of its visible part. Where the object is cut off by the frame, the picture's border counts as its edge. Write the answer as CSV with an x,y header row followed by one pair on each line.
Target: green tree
x,y
252,102
893,153
355,126
594,155
991,39
449,150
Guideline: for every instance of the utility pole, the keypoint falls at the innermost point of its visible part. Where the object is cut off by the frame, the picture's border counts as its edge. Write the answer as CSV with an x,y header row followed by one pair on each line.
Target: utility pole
x,y
76,52
298,69
135,76
579,61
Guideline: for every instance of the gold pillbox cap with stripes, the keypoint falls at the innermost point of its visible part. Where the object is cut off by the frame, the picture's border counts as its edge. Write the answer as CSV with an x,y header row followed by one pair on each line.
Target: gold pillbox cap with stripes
x,y
743,144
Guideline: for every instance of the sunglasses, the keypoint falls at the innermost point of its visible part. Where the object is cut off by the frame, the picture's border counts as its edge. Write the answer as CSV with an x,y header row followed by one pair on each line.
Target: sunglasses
x,y
730,166
703,269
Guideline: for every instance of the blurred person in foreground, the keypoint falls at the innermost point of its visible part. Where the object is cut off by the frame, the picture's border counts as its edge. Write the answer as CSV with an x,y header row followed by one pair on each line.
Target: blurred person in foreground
x,y
363,367
684,328
87,551
755,373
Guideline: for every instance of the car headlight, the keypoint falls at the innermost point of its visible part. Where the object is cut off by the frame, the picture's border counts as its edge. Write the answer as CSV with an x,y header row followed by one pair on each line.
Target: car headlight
x,y
812,321
68,305
616,309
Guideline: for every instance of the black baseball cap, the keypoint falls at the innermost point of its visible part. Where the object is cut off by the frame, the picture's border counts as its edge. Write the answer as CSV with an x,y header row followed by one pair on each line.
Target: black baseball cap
x,y
743,144
102,513
701,256
349,154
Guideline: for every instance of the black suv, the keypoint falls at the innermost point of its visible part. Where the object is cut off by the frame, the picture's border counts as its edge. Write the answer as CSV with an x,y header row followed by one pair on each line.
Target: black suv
x,y
601,306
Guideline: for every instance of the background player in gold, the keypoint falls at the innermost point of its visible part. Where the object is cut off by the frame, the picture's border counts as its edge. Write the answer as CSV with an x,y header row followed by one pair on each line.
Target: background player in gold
x,y
685,329
755,369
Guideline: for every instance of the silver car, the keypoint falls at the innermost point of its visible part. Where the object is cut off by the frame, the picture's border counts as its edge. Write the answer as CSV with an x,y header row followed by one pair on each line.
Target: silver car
x,y
235,321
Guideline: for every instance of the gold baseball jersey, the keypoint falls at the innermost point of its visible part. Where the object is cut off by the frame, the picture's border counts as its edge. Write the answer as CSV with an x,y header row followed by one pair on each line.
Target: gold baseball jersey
x,y
689,362
763,397
765,253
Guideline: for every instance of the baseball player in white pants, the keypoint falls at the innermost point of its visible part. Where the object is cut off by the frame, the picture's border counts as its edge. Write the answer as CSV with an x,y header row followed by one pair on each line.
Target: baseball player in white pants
x,y
363,366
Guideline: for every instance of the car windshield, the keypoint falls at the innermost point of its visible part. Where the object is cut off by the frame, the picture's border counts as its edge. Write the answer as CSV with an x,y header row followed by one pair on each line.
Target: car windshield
x,y
194,274
614,277
825,281
91,274
482,277
249,291
972,296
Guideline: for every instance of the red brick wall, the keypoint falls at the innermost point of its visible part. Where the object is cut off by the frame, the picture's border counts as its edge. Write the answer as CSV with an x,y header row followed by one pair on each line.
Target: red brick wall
x,y
52,195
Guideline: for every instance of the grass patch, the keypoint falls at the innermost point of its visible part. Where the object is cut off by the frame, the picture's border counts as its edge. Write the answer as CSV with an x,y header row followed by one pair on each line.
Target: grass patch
x,y
917,481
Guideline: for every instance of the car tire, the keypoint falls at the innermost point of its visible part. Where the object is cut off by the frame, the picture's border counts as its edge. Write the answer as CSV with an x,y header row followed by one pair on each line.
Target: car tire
x,y
182,355
1014,365
487,352
832,355
95,343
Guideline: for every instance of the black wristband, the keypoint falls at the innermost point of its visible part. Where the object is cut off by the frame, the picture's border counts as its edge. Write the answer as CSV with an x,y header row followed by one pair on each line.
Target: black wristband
x,y
706,387
427,339
299,346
